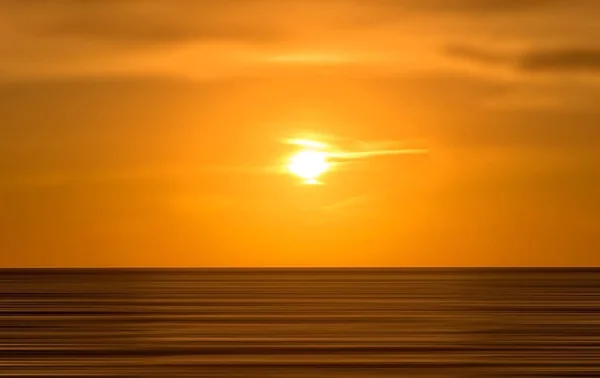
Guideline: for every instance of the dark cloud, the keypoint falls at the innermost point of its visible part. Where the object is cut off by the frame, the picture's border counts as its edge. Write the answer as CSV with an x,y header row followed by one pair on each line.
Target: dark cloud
x,y
206,39
501,5
153,30
136,22
124,30
561,60
542,60
478,6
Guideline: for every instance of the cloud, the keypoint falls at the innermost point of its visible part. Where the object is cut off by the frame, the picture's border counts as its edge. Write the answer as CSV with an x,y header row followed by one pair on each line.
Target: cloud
x,y
501,40
534,60
140,21
360,149
345,155
93,38
502,5
476,6
145,22
568,59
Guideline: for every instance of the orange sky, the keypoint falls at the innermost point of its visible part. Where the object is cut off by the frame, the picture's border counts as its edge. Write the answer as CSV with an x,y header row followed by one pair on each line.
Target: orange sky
x,y
152,133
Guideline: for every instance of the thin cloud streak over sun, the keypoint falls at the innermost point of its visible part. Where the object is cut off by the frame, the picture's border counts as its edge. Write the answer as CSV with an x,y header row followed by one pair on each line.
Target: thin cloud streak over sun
x,y
374,153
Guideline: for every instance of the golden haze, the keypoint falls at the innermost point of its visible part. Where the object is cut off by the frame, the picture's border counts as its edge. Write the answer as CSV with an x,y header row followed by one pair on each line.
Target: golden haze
x,y
183,133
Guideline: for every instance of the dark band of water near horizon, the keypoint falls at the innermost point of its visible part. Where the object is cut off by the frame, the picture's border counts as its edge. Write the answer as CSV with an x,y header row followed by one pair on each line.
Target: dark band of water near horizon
x,y
301,322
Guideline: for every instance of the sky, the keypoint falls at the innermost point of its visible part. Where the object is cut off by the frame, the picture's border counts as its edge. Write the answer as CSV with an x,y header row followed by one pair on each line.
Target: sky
x,y
151,133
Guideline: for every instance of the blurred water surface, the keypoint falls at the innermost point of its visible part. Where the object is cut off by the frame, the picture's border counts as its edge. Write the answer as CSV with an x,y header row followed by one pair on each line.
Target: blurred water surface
x,y
300,323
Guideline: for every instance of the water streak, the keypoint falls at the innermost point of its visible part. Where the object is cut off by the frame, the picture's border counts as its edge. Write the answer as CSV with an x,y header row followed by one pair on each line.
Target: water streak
x,y
300,323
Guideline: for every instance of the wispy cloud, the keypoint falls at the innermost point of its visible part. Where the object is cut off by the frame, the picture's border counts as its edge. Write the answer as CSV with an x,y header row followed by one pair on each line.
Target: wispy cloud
x,y
555,60
203,39
360,149
374,153
363,149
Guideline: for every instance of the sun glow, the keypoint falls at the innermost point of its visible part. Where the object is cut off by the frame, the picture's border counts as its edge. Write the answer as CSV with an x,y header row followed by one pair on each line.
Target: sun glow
x,y
309,164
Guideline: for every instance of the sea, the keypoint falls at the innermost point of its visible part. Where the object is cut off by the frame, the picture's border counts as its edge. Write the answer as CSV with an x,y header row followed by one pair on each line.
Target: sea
x,y
297,323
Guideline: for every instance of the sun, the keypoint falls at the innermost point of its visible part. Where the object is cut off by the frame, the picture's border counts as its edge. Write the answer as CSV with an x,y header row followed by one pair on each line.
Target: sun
x,y
309,164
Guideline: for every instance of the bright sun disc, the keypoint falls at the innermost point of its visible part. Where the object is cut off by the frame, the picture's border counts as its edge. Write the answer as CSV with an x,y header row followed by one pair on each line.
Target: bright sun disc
x,y
309,165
